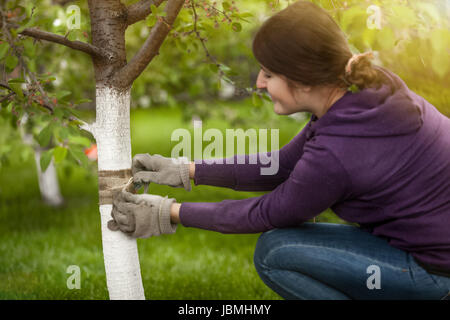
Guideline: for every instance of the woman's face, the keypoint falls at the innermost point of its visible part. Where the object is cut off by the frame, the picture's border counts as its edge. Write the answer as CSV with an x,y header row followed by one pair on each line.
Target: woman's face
x,y
277,87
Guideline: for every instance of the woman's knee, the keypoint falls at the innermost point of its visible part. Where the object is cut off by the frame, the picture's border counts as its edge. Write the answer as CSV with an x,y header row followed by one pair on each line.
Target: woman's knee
x,y
267,242
273,245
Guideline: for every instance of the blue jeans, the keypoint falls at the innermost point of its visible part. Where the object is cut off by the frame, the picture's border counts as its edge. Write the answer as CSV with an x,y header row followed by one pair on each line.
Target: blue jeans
x,y
334,261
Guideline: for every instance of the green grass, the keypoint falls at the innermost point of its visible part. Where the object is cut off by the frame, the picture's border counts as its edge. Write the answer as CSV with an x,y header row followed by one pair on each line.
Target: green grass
x,y
38,243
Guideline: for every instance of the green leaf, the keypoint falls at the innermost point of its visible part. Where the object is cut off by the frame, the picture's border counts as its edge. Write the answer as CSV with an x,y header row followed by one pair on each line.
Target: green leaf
x,y
4,47
246,14
214,68
256,99
226,79
224,68
30,48
60,154
58,112
79,154
17,88
151,20
16,80
73,130
64,133
236,26
266,97
11,62
80,140
353,88
61,95
45,135
180,44
226,6
46,157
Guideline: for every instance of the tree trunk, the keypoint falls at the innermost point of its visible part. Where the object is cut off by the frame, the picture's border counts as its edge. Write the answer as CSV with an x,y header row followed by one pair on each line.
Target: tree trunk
x,y
48,182
114,77
112,133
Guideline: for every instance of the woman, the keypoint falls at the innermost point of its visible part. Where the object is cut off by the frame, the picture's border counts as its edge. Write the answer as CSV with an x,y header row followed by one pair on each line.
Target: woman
x,y
378,157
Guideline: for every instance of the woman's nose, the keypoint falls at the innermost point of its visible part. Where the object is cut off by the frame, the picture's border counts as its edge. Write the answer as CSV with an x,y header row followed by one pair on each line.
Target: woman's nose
x,y
260,81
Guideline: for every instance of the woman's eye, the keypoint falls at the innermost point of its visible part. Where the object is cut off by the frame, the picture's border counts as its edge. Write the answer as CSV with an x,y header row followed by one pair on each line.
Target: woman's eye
x,y
267,75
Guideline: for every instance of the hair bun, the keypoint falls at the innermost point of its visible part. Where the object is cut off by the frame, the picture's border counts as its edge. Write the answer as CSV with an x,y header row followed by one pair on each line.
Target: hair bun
x,y
359,71
355,58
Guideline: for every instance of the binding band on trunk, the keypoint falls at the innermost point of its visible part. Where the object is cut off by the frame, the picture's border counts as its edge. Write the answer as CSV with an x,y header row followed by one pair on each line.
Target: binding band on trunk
x,y
111,180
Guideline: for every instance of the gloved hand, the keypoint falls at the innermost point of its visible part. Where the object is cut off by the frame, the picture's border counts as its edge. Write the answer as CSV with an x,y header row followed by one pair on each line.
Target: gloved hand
x,y
156,168
141,215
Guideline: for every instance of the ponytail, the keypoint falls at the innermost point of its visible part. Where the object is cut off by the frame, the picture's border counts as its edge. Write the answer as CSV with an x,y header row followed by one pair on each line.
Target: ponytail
x,y
359,71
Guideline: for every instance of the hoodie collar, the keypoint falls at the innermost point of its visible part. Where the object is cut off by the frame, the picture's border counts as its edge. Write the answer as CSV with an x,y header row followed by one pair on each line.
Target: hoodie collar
x,y
390,110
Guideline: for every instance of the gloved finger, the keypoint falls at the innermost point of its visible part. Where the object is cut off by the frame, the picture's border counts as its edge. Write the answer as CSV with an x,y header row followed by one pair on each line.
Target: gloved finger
x,y
141,162
119,217
123,206
126,222
131,225
128,197
127,228
145,177
112,225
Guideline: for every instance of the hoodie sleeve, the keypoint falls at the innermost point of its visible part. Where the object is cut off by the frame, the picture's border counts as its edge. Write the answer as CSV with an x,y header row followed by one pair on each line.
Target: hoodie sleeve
x,y
239,174
317,182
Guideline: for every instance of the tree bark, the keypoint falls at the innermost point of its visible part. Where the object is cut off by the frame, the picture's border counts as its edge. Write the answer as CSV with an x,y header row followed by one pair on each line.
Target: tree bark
x,y
114,78
112,133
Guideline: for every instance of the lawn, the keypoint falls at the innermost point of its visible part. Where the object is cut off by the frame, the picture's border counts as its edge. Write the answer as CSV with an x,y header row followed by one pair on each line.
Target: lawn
x,y
38,243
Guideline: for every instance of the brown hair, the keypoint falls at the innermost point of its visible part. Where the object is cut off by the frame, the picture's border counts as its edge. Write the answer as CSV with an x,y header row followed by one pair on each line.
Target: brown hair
x,y
305,45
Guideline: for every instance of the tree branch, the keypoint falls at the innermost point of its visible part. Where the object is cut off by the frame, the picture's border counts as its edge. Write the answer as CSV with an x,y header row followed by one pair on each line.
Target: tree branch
x,y
126,75
77,45
140,10
89,127
26,94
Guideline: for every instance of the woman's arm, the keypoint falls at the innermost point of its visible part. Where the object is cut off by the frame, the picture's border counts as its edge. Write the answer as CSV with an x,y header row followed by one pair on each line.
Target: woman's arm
x,y
317,182
191,170
175,213
245,176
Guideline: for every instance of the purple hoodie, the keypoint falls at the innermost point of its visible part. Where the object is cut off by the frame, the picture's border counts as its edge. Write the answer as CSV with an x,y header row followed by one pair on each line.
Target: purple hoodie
x,y
379,158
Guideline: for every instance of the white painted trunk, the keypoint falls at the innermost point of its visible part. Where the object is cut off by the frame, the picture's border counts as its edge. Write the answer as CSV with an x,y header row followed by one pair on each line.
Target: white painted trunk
x,y
48,182
112,133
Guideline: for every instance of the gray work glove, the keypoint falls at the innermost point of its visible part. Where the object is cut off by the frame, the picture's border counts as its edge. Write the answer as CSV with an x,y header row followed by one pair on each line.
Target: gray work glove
x,y
141,215
158,169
